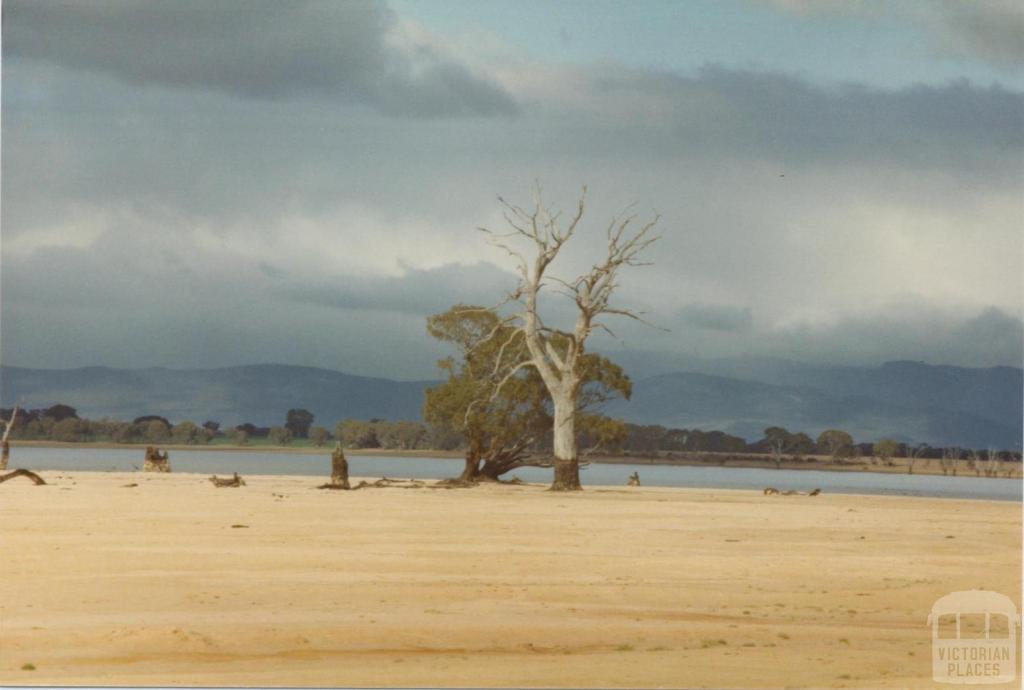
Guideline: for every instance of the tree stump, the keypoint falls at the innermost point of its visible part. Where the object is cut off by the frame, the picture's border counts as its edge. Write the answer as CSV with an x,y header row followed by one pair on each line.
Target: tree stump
x,y
339,468
634,479
156,461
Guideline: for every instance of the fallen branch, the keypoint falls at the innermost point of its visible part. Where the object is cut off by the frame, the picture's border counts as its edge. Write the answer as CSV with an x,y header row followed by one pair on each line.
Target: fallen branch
x,y
771,490
233,482
36,479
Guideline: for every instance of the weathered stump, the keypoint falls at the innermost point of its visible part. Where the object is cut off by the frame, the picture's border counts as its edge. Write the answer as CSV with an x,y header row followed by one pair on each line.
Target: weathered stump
x,y
634,479
339,468
156,461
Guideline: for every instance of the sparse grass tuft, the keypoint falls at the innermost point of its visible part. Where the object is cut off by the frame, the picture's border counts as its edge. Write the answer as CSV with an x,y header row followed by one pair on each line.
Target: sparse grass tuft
x,y
28,667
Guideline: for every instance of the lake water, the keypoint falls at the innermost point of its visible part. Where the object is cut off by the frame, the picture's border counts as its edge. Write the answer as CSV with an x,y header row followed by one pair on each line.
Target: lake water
x,y
256,462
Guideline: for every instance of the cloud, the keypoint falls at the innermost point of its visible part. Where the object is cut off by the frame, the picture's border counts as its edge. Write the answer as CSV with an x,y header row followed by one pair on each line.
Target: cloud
x,y
990,30
716,317
246,216
419,292
350,51
724,112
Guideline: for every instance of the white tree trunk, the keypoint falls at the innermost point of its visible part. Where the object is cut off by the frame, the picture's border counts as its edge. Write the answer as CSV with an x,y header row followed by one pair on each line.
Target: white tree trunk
x,y
567,468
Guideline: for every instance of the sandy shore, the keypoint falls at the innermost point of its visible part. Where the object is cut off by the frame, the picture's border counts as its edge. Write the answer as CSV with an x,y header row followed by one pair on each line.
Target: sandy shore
x,y
494,586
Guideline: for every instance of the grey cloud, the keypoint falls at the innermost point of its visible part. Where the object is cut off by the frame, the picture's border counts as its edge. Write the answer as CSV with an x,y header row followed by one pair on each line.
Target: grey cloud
x,y
261,49
919,331
420,292
716,317
773,116
992,30
708,151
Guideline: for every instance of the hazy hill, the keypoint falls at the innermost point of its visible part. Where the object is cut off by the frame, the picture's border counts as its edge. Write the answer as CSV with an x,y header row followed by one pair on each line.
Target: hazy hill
x,y
261,394
905,400
870,407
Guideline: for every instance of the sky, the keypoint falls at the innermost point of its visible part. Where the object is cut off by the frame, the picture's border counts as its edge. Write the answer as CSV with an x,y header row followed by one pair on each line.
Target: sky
x,y
218,182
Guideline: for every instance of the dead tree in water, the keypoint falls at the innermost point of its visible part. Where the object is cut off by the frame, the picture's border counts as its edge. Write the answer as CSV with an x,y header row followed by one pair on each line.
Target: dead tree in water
x,y
8,425
555,354
634,479
156,461
339,468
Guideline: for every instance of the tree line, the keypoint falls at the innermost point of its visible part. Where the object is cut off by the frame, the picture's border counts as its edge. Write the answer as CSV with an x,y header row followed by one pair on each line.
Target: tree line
x,y
62,423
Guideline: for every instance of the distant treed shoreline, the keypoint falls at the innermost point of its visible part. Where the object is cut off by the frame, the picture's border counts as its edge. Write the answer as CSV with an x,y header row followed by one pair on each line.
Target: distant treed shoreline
x,y
653,443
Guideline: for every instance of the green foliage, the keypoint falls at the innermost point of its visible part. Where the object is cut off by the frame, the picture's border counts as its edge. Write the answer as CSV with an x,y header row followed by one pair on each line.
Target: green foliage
x,y
835,443
318,435
298,421
155,431
503,410
186,433
279,436
886,449
356,433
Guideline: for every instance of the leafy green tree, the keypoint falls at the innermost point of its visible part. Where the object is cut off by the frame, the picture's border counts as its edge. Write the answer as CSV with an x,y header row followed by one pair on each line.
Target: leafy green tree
x,y
70,430
156,431
298,422
318,435
185,433
357,433
885,450
504,414
279,435
836,443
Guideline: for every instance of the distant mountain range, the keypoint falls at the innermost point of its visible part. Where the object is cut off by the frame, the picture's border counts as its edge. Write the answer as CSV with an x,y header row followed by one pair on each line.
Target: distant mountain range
x,y
909,401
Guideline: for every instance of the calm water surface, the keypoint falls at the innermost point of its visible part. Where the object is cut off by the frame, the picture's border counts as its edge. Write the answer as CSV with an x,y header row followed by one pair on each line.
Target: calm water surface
x,y
256,462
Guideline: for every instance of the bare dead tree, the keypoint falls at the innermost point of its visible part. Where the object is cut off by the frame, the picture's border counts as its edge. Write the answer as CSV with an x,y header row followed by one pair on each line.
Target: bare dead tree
x,y
913,455
975,462
993,462
5,453
555,354
950,458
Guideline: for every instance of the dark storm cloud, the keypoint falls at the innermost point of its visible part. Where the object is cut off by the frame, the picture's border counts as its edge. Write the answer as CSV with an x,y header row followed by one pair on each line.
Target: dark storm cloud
x,y
259,49
256,206
746,114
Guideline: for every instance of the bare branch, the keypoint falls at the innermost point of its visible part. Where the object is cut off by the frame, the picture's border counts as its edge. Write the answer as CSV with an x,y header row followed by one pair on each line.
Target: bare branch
x,y
9,424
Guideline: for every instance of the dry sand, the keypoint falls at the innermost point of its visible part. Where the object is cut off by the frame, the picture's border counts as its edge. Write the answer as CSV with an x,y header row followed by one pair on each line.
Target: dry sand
x,y
494,586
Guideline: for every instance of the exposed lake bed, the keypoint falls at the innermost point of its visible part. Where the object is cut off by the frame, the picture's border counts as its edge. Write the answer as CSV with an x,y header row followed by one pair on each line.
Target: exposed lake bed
x,y
316,463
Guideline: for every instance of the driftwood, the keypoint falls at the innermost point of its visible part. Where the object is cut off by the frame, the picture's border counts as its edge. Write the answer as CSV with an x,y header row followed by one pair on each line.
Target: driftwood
x,y
156,461
634,479
36,479
772,490
234,481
